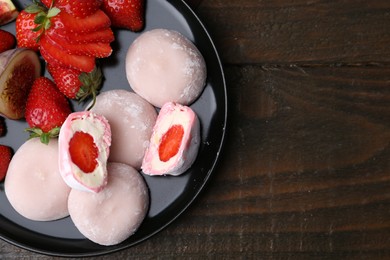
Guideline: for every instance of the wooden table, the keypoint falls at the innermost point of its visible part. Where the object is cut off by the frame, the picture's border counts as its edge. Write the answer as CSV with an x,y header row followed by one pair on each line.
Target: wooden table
x,y
305,171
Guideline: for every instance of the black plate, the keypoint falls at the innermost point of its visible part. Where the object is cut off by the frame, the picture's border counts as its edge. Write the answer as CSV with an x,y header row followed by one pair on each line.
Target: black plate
x,y
170,196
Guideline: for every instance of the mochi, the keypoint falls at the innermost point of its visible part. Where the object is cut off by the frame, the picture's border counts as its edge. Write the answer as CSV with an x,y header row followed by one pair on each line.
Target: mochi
x,y
33,184
84,147
174,143
114,214
131,119
164,66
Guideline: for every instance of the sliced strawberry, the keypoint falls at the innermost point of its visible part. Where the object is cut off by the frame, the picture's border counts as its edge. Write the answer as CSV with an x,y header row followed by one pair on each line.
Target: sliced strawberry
x,y
170,142
53,53
98,50
79,9
102,36
83,151
7,40
95,22
5,159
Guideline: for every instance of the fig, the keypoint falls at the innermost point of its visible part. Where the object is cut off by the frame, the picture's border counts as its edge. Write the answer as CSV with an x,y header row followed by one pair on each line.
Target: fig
x,y
8,11
18,69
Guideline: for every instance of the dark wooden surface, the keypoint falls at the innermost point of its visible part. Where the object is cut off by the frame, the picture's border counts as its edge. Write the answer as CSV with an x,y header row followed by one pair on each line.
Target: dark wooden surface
x,y
305,173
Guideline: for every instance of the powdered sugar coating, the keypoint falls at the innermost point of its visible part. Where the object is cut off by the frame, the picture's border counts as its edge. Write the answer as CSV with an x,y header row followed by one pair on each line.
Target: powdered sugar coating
x,y
173,114
131,119
112,215
98,127
33,184
163,65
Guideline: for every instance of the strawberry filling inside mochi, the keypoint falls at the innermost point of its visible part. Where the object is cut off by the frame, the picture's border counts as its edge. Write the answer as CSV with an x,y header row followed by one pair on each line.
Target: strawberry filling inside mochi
x,y
84,147
174,143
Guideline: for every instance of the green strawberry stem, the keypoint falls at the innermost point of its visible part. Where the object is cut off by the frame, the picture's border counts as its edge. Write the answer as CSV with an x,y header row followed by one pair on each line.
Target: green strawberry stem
x,y
91,84
36,132
43,16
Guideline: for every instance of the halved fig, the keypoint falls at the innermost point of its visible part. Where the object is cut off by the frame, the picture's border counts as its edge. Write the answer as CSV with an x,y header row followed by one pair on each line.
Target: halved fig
x,y
18,69
8,11
174,143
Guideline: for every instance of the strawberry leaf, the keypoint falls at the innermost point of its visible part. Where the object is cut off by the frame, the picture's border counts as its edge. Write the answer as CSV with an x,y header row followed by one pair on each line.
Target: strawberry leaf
x,y
53,12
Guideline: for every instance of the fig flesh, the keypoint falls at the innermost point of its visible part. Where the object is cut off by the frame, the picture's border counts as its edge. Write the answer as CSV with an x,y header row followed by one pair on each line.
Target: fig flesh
x,y
18,69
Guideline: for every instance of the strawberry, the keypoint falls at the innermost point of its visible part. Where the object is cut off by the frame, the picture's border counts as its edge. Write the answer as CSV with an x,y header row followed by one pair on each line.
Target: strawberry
x,y
47,3
75,84
101,36
7,41
5,159
54,54
25,36
127,14
83,151
79,9
93,49
32,23
170,142
97,21
46,109
3,127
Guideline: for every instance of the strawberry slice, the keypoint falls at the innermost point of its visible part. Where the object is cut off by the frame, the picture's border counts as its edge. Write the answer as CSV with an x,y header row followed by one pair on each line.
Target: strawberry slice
x,y
79,9
102,36
170,142
83,151
54,54
98,50
5,159
97,21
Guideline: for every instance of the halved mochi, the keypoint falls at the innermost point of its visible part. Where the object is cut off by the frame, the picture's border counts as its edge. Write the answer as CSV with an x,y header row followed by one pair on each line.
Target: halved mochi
x,y
114,214
174,143
84,147
131,119
33,184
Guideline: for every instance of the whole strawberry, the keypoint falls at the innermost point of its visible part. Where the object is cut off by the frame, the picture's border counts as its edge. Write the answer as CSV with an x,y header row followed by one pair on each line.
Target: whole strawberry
x,y
7,40
46,109
76,84
5,159
127,14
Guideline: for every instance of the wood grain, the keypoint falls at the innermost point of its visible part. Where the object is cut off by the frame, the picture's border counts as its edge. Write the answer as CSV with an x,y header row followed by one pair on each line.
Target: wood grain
x,y
300,31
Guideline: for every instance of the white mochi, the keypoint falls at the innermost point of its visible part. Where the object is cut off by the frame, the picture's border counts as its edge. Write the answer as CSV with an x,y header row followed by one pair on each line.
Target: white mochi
x,y
163,65
131,119
114,214
33,184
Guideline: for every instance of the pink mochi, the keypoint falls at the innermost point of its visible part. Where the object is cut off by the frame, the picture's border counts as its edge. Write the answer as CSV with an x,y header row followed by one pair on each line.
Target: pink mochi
x,y
164,66
114,214
33,184
173,116
98,127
